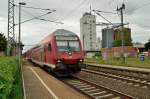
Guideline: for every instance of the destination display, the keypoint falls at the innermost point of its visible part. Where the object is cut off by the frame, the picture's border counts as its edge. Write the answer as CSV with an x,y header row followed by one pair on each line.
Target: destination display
x,y
66,38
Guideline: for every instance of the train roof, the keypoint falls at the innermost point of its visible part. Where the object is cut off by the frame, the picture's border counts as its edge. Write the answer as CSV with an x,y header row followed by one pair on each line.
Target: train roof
x,y
58,32
63,32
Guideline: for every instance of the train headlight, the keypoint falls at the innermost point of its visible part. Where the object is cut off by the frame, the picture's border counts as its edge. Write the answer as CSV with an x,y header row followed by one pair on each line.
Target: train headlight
x,y
70,53
81,60
58,61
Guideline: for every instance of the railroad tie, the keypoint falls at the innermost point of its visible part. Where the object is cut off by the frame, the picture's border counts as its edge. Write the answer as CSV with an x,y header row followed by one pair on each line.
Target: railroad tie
x,y
107,96
98,93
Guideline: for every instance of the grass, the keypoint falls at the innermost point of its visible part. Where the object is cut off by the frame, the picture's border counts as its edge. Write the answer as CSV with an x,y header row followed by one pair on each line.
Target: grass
x,y
131,62
17,91
10,79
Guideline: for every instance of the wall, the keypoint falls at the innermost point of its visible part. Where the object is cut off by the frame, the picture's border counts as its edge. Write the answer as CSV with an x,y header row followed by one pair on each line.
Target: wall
x,y
117,52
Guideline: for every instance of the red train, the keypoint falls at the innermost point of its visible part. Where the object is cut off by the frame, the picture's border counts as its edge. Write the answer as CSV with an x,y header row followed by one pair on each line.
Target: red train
x,y
61,52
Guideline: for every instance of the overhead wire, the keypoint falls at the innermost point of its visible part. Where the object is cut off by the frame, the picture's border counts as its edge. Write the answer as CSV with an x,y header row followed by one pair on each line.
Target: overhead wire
x,y
34,18
102,16
42,19
37,8
71,12
75,8
28,13
114,12
51,21
105,11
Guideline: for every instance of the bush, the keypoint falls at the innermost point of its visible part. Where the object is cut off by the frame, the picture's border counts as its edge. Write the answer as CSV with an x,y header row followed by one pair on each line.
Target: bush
x,y
117,43
3,42
8,70
97,55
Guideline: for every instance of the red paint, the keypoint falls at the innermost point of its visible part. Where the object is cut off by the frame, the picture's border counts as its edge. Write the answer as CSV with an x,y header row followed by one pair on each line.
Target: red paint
x,y
42,54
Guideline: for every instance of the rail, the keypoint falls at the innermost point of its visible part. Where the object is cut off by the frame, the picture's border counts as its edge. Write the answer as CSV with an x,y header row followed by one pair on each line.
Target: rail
x,y
138,73
94,90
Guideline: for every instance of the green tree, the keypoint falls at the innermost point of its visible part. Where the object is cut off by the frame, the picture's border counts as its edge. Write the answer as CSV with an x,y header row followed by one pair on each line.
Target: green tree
x,y
147,45
118,43
3,42
98,54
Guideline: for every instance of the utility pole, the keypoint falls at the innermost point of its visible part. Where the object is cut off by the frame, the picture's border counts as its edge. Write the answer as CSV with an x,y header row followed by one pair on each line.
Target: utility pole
x,y
122,33
19,39
11,34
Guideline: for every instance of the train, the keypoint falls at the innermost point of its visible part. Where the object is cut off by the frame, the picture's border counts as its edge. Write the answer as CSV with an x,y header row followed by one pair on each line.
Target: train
x,y
60,52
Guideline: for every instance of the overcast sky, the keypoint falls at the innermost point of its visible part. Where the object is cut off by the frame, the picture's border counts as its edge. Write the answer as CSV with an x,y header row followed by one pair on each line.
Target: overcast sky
x,y
70,11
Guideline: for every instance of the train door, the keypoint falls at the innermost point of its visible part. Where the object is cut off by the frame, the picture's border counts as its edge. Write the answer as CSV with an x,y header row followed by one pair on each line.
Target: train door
x,y
41,54
44,54
49,54
43,59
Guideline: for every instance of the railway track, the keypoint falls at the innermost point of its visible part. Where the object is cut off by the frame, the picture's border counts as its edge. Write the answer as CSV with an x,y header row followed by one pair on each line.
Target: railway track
x,y
124,81
136,78
129,80
94,90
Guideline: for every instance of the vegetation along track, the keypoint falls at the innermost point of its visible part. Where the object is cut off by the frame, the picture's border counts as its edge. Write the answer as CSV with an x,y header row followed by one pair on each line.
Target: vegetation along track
x,y
94,90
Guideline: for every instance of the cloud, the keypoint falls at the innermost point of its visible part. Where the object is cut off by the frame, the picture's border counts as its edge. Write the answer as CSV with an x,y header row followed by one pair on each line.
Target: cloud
x,y
70,12
130,8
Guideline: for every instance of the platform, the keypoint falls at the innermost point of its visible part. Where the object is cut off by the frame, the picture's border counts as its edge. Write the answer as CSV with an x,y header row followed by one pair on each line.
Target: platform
x,y
39,84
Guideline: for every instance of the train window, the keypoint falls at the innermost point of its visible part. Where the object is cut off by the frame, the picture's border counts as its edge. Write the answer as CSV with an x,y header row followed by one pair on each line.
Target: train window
x,y
62,45
68,45
74,45
49,47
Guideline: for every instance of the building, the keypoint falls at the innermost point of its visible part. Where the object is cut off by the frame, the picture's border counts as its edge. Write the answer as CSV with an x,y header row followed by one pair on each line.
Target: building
x,y
126,34
139,46
98,44
88,32
107,37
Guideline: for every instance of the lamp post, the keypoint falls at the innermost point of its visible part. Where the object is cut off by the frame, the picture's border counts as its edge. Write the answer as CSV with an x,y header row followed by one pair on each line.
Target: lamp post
x,y
19,40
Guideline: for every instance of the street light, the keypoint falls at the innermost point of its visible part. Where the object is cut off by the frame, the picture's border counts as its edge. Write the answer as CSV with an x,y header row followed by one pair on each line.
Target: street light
x,y
19,41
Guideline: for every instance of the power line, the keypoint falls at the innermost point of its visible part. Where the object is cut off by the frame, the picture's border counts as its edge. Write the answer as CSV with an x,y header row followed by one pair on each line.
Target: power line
x,y
102,16
105,11
35,18
73,10
50,21
28,13
43,19
37,8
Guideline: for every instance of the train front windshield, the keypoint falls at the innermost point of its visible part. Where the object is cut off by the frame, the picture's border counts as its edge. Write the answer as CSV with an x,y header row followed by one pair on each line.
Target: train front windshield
x,y
68,45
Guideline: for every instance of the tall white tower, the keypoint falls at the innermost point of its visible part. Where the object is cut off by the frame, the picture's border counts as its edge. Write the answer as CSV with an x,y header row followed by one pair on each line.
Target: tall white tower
x,y
88,32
